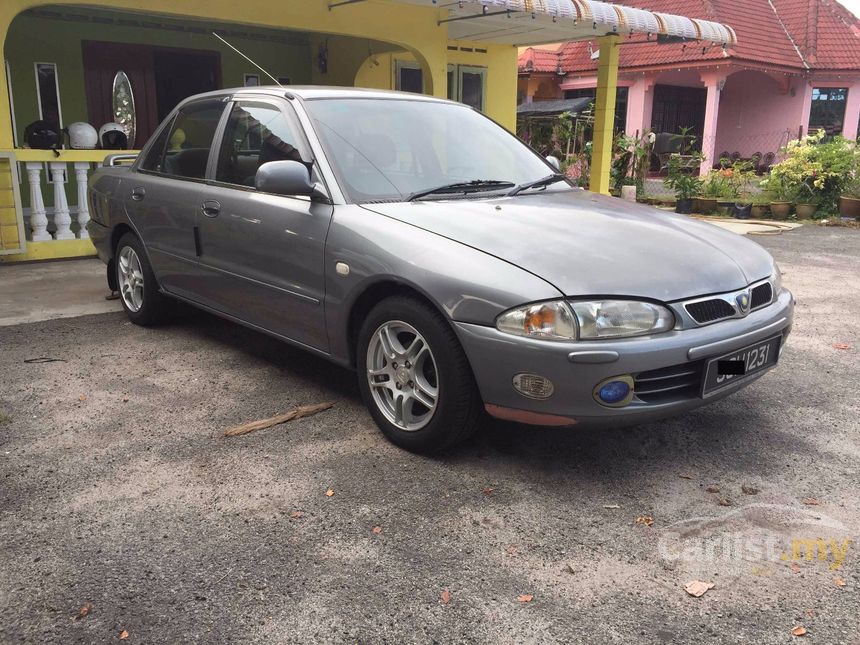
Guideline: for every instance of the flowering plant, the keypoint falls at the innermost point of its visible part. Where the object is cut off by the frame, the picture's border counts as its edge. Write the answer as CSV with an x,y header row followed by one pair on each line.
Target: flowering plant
x,y
815,170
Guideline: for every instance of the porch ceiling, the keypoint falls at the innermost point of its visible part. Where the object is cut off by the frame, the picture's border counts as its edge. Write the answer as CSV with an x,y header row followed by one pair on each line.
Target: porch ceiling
x,y
534,22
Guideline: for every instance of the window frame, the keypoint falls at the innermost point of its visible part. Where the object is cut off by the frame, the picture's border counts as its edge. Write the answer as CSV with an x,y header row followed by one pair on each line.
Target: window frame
x,y
56,88
302,143
11,102
483,72
400,64
829,90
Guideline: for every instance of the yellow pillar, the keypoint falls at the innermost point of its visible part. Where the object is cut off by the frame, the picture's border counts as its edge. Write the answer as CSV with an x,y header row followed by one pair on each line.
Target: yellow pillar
x,y
604,114
6,137
10,233
501,101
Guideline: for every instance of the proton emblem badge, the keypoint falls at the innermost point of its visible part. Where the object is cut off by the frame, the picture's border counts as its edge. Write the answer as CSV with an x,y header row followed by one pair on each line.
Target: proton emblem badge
x,y
743,300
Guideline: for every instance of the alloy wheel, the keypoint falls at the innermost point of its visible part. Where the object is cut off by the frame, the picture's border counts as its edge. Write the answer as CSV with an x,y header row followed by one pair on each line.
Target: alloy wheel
x,y
402,374
130,276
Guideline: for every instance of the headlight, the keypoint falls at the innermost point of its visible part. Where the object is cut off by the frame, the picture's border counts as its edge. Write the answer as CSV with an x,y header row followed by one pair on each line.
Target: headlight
x,y
621,318
563,320
776,281
546,320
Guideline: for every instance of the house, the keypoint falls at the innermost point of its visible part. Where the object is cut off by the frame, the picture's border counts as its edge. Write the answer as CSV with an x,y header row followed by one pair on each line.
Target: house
x,y
130,62
795,68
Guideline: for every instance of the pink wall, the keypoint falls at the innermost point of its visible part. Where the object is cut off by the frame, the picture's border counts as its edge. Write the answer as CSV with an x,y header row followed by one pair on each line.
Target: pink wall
x,y
758,113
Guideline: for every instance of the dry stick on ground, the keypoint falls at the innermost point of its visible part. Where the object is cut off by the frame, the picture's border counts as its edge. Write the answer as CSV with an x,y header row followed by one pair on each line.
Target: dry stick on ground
x,y
262,424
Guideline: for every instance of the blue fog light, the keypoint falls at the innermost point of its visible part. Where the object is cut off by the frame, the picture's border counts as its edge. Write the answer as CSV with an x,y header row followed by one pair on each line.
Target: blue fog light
x,y
616,392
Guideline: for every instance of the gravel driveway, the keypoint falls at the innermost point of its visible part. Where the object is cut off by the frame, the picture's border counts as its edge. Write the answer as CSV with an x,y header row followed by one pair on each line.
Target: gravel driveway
x,y
120,494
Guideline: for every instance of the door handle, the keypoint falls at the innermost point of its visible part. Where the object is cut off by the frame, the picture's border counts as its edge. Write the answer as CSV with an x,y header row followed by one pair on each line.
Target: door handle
x,y
211,208
137,194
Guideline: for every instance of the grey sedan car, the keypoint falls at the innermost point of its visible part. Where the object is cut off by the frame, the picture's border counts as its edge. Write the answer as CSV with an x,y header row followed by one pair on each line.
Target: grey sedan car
x,y
416,241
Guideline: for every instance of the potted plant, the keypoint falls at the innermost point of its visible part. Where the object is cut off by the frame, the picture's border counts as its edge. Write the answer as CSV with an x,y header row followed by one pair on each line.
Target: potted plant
x,y
760,207
713,189
684,182
781,195
849,201
816,169
807,202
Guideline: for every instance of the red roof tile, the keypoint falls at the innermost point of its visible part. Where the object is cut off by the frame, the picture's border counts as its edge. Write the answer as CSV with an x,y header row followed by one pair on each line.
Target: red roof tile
x,y
819,34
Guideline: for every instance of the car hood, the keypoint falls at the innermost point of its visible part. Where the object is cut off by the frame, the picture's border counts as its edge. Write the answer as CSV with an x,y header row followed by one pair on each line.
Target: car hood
x,y
591,245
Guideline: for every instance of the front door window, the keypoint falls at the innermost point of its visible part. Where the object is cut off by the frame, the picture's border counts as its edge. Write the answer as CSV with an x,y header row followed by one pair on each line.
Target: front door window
x,y
256,133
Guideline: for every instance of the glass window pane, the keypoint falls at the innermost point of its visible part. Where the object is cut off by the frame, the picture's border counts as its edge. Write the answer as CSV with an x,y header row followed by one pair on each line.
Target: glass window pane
x,y
828,110
472,89
155,155
49,102
191,138
256,133
411,80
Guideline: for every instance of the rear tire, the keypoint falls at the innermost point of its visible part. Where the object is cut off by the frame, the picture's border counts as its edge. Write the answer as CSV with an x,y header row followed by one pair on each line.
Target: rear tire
x,y
139,293
415,378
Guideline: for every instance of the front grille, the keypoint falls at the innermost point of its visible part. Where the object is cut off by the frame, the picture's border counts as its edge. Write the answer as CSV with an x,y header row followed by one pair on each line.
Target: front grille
x,y
706,311
761,295
669,383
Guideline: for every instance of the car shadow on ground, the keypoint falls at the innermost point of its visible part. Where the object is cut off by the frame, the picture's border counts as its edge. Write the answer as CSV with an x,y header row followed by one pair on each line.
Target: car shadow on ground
x,y
716,433
299,363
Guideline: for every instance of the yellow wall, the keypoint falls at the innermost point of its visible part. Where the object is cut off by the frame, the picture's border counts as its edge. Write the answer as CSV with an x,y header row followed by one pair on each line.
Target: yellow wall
x,y
413,29
377,71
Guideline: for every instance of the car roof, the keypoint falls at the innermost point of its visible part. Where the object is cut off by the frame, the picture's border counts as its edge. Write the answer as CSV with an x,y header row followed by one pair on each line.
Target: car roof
x,y
311,92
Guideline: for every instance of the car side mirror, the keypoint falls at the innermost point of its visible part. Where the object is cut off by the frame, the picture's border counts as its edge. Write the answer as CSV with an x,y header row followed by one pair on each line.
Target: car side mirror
x,y
289,178
554,162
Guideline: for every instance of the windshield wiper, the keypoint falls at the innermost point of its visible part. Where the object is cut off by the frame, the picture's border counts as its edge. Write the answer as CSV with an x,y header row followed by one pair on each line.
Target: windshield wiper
x,y
474,186
538,183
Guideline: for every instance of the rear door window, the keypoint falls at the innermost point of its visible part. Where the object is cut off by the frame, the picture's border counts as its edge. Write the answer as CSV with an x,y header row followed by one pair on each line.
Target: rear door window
x,y
190,141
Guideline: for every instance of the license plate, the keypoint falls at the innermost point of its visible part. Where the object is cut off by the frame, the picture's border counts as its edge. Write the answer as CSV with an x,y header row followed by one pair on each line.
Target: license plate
x,y
729,369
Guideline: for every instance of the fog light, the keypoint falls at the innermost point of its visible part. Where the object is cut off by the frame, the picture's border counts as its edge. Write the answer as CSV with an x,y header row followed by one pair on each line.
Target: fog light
x,y
615,392
533,386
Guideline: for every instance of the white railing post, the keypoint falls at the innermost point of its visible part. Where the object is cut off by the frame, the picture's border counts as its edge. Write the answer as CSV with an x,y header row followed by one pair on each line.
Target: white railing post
x,y
38,216
81,169
62,218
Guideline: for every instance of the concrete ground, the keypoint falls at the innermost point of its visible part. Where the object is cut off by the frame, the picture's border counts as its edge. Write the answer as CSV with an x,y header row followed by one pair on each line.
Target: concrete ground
x,y
48,290
119,494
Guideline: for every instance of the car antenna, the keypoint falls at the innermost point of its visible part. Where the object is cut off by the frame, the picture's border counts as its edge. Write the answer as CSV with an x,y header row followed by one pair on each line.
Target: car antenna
x,y
247,59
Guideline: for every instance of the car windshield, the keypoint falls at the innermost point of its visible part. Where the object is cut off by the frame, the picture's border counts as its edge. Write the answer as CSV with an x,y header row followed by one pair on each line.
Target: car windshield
x,y
391,149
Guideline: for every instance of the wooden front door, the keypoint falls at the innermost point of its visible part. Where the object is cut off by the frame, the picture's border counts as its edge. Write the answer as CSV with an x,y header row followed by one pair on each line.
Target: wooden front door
x,y
160,78
101,63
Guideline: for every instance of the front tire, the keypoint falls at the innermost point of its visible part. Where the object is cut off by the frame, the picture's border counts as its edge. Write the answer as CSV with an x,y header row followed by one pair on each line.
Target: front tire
x,y
414,376
138,289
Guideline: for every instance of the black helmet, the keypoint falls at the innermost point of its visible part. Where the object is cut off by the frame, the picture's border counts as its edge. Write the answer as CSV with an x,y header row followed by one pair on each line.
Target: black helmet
x,y
41,135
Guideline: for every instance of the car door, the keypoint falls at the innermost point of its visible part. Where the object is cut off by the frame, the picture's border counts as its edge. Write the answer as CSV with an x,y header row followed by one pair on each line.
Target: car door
x,y
263,254
164,193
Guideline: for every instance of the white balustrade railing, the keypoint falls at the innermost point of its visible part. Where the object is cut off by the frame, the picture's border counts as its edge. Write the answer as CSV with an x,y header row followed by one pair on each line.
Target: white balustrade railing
x,y
57,177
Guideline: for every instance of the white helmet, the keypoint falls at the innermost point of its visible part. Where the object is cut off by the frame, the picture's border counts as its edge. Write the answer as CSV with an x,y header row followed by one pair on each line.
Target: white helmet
x,y
82,136
112,136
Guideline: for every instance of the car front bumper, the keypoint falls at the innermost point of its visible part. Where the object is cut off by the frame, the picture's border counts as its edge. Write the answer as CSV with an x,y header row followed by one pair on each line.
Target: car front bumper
x,y
575,368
